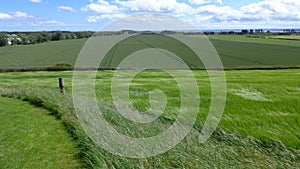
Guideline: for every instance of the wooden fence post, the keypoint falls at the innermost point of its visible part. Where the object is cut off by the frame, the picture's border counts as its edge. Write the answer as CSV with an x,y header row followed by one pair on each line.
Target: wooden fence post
x,y
61,85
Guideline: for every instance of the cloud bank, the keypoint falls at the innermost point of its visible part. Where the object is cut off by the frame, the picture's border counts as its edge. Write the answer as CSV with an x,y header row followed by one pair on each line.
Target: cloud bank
x,y
203,12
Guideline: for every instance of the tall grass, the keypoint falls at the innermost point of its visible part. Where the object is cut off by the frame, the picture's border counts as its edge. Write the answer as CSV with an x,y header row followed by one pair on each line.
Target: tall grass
x,y
243,148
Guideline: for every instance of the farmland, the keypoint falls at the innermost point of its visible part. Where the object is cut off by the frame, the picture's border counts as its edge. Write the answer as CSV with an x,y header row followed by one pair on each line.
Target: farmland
x,y
40,55
259,127
234,51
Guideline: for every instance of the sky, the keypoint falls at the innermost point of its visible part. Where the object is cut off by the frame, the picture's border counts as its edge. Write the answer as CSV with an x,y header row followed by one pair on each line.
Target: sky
x,y
82,15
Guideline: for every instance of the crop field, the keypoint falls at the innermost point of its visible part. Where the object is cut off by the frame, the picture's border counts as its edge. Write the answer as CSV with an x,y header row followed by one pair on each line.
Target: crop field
x,y
259,128
234,51
40,55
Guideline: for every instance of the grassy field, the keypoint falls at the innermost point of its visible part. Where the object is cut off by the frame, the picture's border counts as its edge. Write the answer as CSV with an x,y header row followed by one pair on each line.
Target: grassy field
x,y
30,138
259,128
234,51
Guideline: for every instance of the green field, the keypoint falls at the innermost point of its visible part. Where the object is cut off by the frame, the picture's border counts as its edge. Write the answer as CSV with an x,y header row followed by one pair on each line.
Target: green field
x,y
260,125
40,55
234,51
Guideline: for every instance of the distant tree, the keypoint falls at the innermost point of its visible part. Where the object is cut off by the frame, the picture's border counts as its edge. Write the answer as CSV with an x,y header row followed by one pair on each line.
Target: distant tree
x,y
259,31
293,31
70,35
231,33
46,36
79,35
73,36
85,34
251,31
244,31
40,37
3,39
57,35
25,39
15,41
34,38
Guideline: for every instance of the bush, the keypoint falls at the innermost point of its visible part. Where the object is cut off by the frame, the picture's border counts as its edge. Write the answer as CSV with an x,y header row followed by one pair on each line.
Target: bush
x,y
60,66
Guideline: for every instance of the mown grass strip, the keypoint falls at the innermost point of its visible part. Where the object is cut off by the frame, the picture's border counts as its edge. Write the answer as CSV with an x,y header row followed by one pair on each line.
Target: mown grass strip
x,y
30,138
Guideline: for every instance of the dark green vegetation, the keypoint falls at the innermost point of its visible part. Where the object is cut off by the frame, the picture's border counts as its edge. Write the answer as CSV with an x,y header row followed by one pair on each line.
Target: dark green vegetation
x,y
30,138
259,128
234,50
28,38
3,40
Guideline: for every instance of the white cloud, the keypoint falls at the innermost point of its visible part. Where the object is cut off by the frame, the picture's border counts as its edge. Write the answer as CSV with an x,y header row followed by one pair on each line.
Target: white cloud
x,y
199,2
101,6
22,15
217,10
36,1
121,8
5,16
274,10
266,13
149,21
66,8
48,23
165,6
106,16
219,1
52,22
15,15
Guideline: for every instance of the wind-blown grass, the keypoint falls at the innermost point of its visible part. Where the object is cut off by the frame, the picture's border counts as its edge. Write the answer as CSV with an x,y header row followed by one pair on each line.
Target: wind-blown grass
x,y
259,134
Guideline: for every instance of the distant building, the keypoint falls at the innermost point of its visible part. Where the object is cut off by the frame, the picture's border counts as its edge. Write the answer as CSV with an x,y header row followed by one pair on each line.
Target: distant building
x,y
9,42
12,40
126,32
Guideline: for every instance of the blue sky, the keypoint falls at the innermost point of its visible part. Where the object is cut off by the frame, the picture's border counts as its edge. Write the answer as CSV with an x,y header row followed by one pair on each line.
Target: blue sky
x,y
38,15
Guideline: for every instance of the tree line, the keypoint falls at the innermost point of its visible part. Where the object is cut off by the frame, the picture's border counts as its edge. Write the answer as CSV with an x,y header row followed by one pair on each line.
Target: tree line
x,y
24,38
